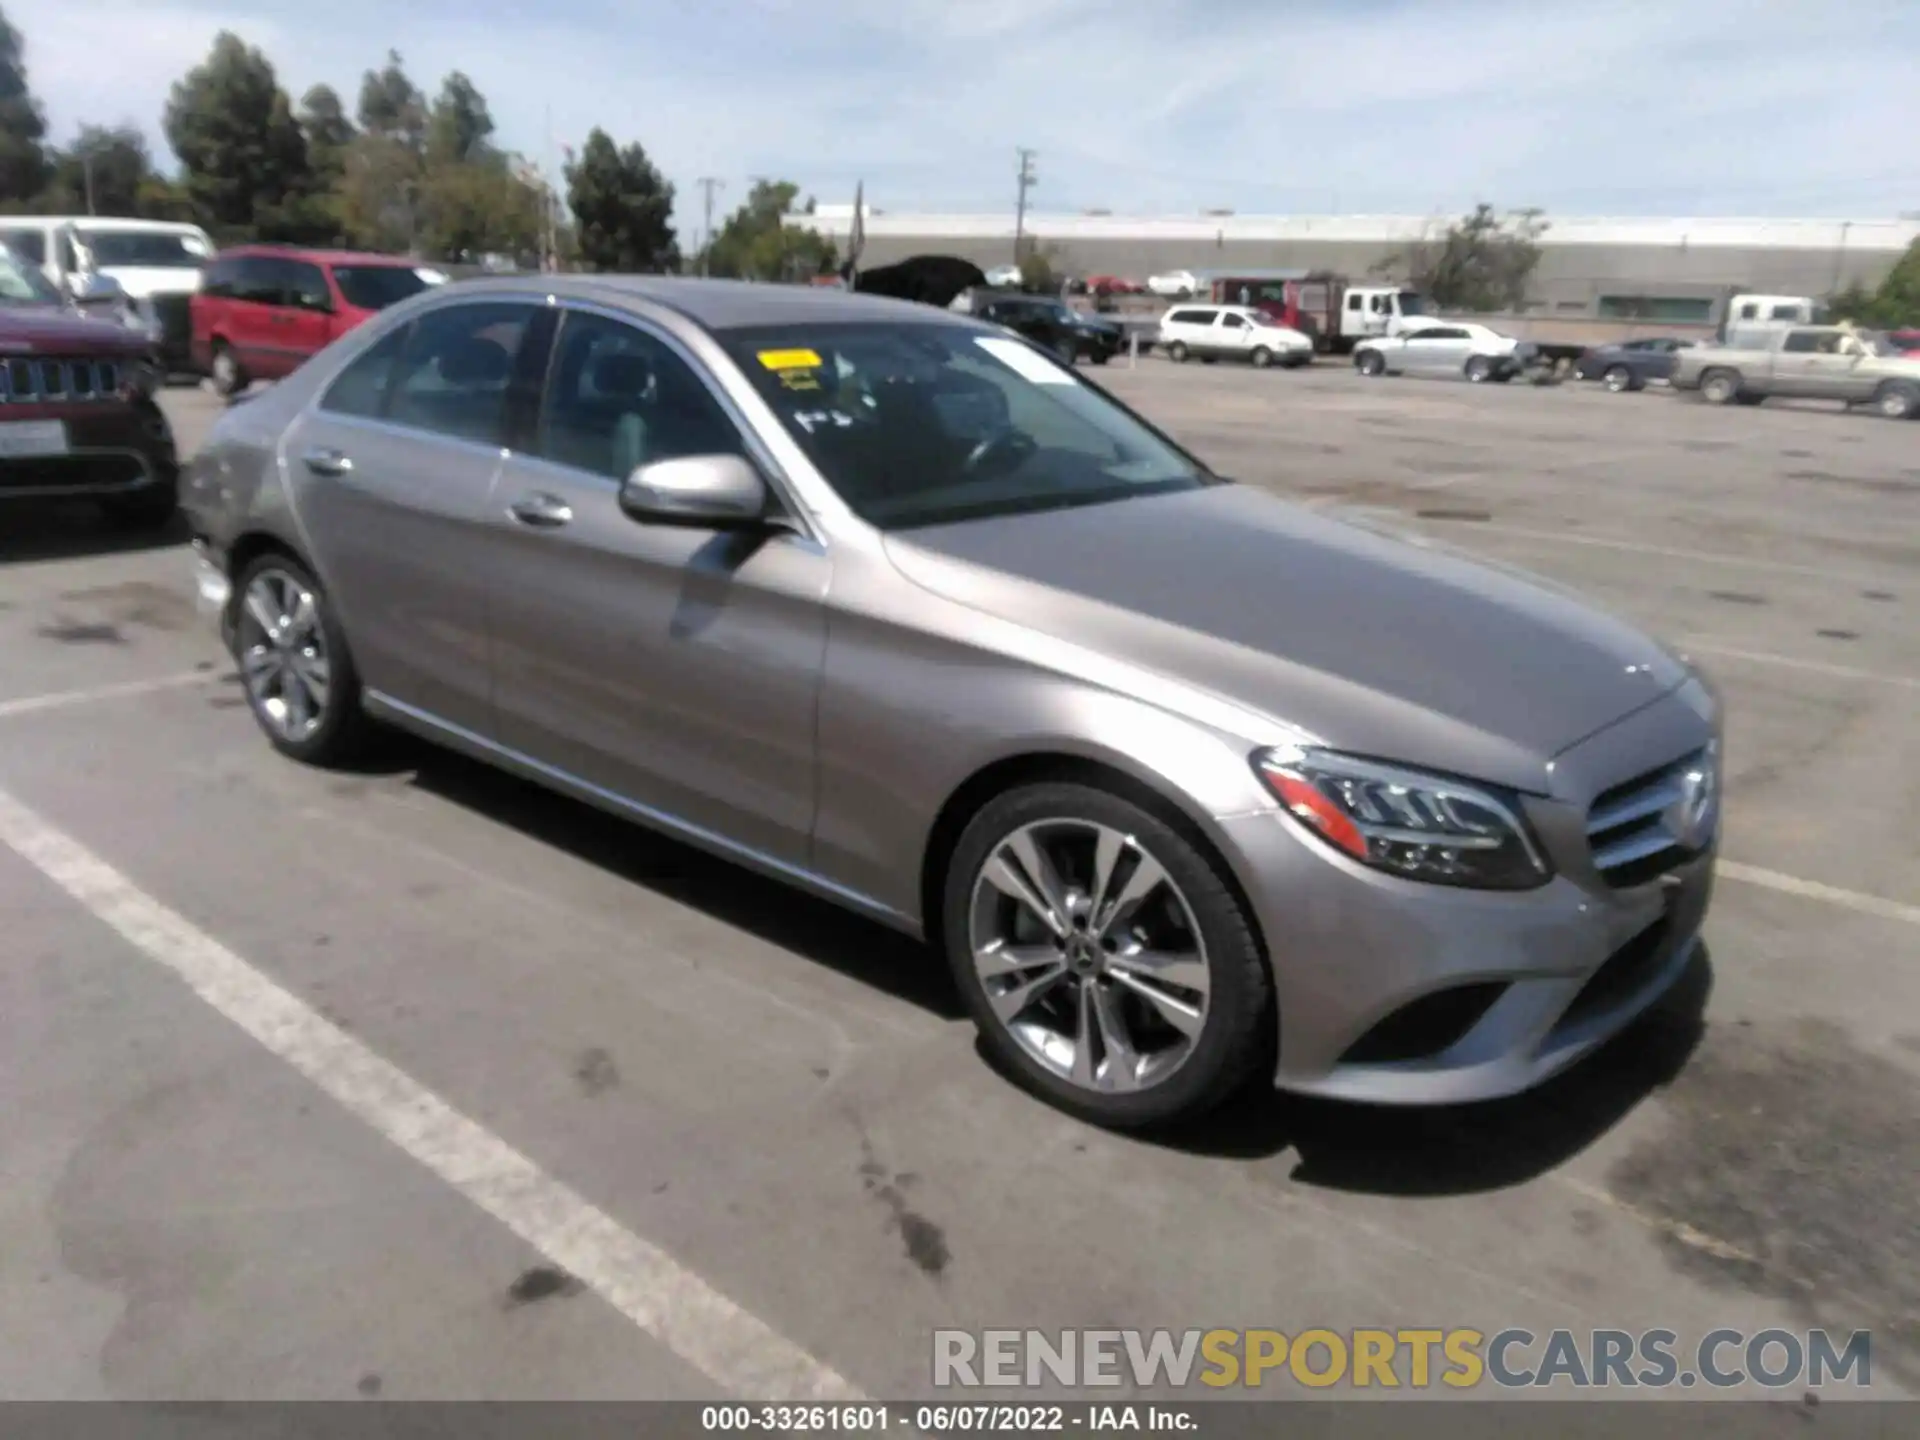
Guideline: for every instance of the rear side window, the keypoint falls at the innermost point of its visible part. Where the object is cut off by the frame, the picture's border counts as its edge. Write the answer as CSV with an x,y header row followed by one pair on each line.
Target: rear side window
x,y
1787,312
29,245
216,281
455,372
361,389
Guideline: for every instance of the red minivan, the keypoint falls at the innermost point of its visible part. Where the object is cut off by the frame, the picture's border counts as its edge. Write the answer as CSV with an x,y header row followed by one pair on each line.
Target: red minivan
x,y
262,309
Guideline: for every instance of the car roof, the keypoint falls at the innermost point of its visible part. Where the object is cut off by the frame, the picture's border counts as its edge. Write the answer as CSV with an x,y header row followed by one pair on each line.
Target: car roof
x,y
319,257
728,304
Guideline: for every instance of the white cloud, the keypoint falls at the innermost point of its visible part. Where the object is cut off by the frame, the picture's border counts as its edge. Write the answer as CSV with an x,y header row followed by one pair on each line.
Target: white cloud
x,y
1728,106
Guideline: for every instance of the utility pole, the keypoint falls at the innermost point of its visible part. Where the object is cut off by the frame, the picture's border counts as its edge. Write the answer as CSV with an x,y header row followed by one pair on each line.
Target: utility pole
x,y
708,184
1027,180
86,167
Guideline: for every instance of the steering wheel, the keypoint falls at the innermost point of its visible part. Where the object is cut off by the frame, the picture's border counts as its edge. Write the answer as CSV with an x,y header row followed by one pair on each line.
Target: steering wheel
x,y
1005,449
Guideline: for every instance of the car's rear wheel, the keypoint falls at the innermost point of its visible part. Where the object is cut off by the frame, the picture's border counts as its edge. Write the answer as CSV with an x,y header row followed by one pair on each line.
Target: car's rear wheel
x,y
1177,352
229,376
1897,400
1104,958
1618,378
1261,357
299,677
1067,351
1371,363
1720,387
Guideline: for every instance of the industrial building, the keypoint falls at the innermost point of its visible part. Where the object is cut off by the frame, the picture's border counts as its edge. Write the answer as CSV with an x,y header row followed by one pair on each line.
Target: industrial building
x,y
1647,269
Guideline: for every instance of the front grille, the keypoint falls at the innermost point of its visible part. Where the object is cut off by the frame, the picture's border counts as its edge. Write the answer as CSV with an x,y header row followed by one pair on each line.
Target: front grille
x,y
36,382
1643,828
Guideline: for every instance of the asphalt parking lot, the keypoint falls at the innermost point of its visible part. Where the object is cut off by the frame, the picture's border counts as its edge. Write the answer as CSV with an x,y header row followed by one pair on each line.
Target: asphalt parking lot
x,y
698,1135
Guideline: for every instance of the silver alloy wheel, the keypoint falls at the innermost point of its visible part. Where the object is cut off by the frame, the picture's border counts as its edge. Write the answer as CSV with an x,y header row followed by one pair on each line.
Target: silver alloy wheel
x,y
1618,378
1719,389
1895,403
1089,955
226,370
282,650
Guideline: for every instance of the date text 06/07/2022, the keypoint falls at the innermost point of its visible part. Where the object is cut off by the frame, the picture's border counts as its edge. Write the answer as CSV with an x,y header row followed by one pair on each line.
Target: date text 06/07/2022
x,y
947,1419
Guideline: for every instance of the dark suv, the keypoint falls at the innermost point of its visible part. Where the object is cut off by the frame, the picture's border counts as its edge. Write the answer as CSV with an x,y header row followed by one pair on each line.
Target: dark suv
x,y
263,309
1052,325
77,410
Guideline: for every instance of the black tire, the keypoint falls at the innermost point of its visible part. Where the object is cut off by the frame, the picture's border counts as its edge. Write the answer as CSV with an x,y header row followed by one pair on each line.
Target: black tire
x,y
149,508
1371,363
1619,379
1897,400
1067,352
1747,397
345,730
1261,357
229,376
1177,352
1101,357
1720,387
1237,1033
1479,370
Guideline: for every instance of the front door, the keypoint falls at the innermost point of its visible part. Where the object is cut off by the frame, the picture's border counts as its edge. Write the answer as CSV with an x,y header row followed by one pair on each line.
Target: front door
x,y
306,325
672,667
394,470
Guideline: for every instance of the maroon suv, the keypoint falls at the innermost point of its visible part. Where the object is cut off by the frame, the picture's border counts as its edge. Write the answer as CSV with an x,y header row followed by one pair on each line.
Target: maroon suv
x,y
77,409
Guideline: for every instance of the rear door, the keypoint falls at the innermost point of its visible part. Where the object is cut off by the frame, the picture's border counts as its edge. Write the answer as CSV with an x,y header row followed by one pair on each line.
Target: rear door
x,y
1808,366
393,472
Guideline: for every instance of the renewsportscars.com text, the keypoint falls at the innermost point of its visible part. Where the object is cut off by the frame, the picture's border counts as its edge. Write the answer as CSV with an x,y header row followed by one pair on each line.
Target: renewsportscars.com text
x,y
1459,1359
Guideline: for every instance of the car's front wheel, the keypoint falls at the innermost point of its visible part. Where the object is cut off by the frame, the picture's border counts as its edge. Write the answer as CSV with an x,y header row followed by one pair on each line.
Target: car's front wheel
x,y
1105,959
1261,357
299,677
1371,364
229,376
1177,352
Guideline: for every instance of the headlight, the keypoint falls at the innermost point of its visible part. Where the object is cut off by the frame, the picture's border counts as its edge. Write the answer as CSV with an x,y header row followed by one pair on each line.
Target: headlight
x,y
1406,822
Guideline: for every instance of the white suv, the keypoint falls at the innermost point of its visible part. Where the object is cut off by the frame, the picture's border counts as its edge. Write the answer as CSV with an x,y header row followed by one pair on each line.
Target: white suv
x,y
1239,332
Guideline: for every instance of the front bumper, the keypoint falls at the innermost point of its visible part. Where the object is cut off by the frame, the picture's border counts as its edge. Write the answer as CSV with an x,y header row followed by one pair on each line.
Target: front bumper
x,y
112,449
1399,992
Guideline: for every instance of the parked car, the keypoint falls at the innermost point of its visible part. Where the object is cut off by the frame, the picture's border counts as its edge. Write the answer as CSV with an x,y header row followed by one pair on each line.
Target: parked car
x,y
1232,332
1112,285
1053,325
1907,342
1468,351
1005,277
77,409
886,604
1807,362
154,263
264,309
1630,364
1175,284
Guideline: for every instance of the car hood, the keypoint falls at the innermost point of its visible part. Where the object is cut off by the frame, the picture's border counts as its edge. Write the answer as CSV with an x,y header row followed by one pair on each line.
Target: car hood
x,y
1371,644
144,282
46,328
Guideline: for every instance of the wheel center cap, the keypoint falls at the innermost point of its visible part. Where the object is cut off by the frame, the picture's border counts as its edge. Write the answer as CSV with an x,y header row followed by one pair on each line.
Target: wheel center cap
x,y
1083,955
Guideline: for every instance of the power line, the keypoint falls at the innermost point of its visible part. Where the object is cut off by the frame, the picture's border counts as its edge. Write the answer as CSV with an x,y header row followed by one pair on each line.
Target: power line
x,y
1027,180
708,184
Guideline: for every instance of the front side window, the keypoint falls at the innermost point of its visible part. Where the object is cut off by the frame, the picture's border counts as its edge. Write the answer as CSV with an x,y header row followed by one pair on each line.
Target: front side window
x,y
258,281
23,283
453,376
618,398
361,388
1413,303
924,424
1787,312
1234,322
307,286
1802,342
29,245
374,287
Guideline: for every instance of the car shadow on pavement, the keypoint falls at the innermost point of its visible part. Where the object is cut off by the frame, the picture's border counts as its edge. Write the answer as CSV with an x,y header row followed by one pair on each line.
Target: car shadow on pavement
x,y
71,530
731,893
1463,1149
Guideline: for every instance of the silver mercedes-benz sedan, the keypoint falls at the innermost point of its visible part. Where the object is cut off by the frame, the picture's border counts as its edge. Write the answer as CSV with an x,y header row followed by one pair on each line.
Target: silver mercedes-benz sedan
x,y
1184,781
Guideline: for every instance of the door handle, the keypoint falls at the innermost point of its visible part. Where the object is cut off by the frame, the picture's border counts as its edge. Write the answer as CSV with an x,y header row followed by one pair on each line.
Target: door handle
x,y
542,511
325,461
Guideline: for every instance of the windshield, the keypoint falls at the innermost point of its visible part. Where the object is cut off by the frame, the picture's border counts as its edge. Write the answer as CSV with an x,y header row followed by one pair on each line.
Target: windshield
x,y
924,424
144,248
1414,303
22,284
374,287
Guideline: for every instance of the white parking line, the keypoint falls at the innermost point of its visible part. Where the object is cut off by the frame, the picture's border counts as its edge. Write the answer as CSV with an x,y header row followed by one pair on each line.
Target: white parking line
x,y
648,1286
1818,667
1814,890
59,699
1671,552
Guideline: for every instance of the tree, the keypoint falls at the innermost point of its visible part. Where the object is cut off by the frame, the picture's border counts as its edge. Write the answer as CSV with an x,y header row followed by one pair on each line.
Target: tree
x,y
241,148
1482,263
379,192
105,171
480,208
328,131
757,243
622,208
391,106
459,126
23,128
1893,304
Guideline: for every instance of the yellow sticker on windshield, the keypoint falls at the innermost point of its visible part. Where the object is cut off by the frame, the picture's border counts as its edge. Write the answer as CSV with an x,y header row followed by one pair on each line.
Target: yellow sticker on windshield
x,y
790,360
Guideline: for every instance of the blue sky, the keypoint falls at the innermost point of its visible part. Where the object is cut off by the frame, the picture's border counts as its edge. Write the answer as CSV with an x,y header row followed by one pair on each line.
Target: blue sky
x,y
1633,107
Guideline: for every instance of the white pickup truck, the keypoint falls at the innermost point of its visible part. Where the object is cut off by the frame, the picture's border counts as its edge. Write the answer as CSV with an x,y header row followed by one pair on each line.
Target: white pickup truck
x,y
1805,362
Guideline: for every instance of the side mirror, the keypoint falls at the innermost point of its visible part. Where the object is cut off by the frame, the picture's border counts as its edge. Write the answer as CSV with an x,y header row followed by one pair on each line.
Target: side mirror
x,y
92,288
709,492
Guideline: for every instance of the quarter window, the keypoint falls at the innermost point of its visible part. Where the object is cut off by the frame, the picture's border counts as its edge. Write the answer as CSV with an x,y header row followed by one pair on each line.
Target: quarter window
x,y
618,398
453,376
